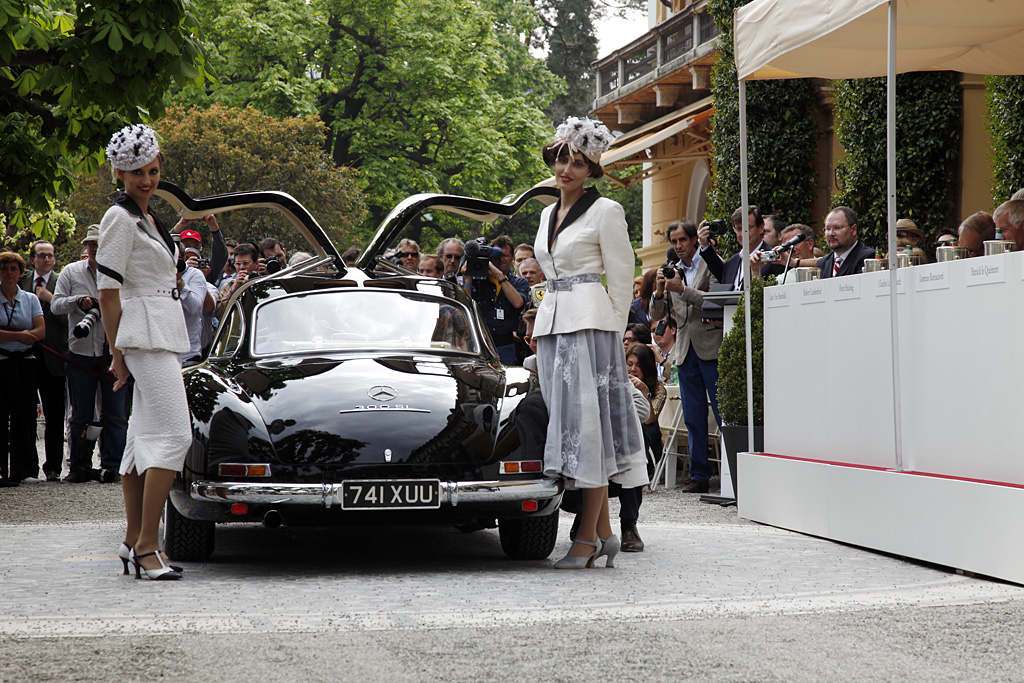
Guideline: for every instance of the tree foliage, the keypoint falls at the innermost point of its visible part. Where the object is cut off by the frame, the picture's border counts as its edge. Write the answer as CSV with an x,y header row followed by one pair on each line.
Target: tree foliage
x,y
225,149
71,73
782,137
928,129
1005,100
418,95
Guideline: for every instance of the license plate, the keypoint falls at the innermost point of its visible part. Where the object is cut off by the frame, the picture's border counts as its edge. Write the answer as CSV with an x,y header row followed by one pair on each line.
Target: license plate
x,y
391,494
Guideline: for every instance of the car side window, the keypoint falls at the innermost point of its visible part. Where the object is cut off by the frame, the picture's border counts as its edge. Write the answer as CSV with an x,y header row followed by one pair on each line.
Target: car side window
x,y
232,336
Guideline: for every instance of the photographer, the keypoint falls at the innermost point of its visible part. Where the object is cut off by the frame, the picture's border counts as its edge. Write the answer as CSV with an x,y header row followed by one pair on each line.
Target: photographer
x,y
499,296
274,256
190,239
246,266
697,340
77,296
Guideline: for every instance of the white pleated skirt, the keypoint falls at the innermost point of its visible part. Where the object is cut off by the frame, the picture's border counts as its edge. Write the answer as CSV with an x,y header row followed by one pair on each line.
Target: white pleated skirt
x,y
159,430
593,432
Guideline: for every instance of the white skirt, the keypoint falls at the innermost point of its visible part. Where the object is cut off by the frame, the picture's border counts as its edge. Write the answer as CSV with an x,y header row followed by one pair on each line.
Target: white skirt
x,y
593,432
159,430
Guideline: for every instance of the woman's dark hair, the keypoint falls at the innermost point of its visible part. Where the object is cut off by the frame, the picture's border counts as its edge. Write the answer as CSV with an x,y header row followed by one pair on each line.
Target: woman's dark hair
x,y
641,332
553,151
647,289
645,359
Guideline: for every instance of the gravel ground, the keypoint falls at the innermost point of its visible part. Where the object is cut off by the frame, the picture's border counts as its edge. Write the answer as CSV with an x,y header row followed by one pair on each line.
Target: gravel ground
x,y
954,642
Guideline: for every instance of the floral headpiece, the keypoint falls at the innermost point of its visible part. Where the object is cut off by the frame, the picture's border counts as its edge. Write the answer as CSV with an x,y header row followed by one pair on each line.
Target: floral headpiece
x,y
588,137
132,147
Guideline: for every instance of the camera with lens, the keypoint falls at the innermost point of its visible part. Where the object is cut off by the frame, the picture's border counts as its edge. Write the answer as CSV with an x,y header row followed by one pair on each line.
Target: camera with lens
x,y
719,226
273,264
479,256
202,263
83,328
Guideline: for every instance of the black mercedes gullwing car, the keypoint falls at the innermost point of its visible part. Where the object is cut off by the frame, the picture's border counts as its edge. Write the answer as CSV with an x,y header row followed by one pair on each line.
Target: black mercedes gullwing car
x,y
353,395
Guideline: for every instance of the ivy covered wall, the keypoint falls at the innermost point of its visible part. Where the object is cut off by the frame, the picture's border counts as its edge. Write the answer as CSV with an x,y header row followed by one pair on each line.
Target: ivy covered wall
x,y
928,130
782,137
1004,96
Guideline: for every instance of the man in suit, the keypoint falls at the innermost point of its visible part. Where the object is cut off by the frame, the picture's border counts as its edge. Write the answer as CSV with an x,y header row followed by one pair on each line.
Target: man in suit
x,y
41,281
697,341
848,253
731,272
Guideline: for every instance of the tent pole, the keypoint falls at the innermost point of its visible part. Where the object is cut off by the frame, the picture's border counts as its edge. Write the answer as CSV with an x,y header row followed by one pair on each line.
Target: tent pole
x,y
890,158
744,204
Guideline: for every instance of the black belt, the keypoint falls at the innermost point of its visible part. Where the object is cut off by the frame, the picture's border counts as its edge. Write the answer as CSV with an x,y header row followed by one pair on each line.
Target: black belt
x,y
17,354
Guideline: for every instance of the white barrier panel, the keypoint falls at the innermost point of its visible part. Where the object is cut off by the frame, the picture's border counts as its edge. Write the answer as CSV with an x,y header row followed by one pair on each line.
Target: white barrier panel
x,y
828,391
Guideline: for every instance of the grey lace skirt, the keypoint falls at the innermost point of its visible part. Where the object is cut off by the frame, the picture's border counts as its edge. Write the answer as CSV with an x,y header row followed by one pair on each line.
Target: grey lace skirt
x,y
593,431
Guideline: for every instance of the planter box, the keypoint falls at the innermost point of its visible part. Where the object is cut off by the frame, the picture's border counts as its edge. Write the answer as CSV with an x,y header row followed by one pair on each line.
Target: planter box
x,y
736,442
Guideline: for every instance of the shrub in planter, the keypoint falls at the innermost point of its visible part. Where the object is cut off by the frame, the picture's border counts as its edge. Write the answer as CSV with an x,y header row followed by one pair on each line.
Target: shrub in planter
x,y
732,360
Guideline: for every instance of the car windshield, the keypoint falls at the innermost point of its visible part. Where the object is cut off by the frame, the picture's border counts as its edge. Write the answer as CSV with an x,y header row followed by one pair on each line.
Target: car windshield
x,y
361,319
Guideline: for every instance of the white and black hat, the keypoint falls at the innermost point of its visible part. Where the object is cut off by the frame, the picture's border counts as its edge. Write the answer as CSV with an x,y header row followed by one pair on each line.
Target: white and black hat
x,y
132,147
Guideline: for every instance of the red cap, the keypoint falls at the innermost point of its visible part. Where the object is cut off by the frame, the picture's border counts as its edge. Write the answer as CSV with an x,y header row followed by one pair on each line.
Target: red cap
x,y
191,235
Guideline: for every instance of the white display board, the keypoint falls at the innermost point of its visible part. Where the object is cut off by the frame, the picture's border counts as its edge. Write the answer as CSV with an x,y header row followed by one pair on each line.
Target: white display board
x,y
829,399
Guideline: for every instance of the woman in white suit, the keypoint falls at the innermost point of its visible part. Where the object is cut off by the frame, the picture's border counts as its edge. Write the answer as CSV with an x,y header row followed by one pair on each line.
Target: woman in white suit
x,y
593,433
142,317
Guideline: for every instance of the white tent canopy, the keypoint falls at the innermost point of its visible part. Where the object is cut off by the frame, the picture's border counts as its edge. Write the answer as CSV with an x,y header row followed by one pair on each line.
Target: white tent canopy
x,y
847,38
839,39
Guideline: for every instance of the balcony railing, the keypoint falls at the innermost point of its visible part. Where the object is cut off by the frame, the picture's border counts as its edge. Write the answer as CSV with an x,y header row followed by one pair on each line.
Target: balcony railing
x,y
669,41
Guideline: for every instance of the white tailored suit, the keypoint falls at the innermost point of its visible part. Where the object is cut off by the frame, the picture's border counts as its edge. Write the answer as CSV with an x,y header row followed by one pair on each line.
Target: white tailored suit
x,y
139,260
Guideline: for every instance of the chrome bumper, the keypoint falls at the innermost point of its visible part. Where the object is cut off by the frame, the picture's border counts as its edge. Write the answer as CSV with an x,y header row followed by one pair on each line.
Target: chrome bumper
x,y
453,493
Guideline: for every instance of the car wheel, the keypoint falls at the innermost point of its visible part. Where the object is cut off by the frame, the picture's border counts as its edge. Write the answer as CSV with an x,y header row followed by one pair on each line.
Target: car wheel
x,y
187,540
532,538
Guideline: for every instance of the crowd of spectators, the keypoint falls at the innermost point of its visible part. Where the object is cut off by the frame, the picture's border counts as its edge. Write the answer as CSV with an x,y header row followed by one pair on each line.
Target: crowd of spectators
x,y
67,367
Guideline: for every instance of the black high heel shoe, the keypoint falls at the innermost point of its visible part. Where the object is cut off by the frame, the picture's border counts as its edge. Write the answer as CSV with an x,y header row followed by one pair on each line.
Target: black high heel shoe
x,y
125,553
165,573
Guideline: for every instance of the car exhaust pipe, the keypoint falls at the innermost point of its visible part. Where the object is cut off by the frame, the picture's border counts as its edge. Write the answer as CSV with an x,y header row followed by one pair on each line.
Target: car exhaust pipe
x,y
272,519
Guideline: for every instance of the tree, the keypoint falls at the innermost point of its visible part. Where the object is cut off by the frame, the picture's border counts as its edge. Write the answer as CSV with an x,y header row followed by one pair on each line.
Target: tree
x,y
418,95
70,75
569,35
928,126
226,149
572,48
781,133
1005,103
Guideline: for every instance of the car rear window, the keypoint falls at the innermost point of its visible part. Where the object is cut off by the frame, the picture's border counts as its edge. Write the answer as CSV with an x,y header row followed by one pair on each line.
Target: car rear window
x,y
361,319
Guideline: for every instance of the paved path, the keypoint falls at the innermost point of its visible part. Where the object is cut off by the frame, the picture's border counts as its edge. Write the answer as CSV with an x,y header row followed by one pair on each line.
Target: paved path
x,y
392,578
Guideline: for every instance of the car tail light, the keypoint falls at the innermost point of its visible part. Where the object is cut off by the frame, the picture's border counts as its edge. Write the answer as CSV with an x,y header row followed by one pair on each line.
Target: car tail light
x,y
232,469
529,506
239,509
520,466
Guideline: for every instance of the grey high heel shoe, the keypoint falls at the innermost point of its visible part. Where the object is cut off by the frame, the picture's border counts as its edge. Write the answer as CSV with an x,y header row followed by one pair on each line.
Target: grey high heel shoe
x,y
610,548
570,562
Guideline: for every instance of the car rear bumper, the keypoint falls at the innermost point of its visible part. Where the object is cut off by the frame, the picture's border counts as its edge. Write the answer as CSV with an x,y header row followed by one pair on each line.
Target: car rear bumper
x,y
454,494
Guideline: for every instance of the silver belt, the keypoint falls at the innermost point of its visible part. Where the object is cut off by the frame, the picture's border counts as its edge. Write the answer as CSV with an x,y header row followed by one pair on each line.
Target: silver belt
x,y
566,284
133,292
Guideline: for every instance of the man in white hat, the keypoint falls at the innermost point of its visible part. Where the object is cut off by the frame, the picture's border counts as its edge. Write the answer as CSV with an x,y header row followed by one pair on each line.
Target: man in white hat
x,y
77,296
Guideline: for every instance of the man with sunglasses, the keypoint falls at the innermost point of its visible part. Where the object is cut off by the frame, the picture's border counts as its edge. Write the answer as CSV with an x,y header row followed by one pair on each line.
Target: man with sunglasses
x,y
408,254
41,281
450,253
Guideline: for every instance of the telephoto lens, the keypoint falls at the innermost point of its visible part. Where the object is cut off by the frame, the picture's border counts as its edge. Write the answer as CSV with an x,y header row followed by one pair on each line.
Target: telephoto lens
x,y
83,328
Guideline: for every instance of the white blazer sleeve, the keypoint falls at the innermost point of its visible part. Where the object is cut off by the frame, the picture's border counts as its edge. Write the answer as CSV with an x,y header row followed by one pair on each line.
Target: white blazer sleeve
x,y
617,253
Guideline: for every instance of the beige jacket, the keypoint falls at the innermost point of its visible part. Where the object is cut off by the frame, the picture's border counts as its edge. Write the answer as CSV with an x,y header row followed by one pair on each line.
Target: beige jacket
x,y
597,242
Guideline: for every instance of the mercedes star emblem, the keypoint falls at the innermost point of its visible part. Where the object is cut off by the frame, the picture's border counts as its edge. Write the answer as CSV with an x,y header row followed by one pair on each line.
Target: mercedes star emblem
x,y
382,392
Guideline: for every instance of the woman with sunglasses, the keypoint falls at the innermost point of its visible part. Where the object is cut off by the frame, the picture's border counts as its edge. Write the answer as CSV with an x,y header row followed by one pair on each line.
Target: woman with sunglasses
x,y
593,432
